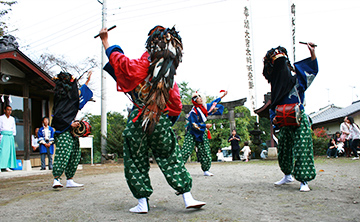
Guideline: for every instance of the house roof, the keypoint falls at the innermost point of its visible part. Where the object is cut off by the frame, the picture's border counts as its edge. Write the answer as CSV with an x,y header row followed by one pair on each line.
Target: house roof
x,y
334,113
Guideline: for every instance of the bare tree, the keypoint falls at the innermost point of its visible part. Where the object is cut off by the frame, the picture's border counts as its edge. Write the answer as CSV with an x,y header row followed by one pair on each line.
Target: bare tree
x,y
7,7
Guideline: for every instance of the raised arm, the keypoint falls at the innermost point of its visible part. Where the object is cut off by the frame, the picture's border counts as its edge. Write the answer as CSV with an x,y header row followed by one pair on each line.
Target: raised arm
x,y
311,47
104,38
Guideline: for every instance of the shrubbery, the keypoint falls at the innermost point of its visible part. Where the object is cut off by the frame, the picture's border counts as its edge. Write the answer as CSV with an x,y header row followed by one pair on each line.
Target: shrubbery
x,y
320,141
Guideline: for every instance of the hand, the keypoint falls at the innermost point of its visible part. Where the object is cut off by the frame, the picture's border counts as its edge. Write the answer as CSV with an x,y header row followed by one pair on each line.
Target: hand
x,y
75,124
104,37
225,93
88,78
274,121
208,125
311,47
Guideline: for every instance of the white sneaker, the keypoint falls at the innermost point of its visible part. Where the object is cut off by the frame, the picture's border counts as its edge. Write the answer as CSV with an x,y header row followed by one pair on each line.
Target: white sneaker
x,y
190,202
57,184
304,187
286,179
207,173
142,207
9,170
70,184
355,158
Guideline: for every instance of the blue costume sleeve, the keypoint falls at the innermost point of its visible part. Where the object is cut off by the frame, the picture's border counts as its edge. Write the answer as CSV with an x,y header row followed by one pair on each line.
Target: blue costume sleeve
x,y
218,108
195,124
51,135
85,95
108,68
40,135
306,71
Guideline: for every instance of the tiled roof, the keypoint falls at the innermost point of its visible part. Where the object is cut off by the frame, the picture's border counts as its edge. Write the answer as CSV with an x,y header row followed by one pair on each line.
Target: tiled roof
x,y
333,113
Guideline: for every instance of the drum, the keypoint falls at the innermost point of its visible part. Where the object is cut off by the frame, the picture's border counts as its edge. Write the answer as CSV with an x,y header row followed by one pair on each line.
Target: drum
x,y
83,130
288,115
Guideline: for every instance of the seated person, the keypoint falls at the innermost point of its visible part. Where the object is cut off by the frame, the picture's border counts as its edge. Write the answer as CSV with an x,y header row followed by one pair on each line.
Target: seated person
x,y
332,148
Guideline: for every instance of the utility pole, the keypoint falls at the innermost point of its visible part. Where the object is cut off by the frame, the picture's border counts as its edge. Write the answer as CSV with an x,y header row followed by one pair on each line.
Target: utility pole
x,y
103,88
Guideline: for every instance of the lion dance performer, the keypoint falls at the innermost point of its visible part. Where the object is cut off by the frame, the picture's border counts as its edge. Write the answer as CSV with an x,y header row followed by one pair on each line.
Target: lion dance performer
x,y
149,83
295,146
68,100
197,127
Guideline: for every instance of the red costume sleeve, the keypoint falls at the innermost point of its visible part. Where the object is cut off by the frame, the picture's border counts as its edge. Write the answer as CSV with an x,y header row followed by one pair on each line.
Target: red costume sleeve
x,y
129,72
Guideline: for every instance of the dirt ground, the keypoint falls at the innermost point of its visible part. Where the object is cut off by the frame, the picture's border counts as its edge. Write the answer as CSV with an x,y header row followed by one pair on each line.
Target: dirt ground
x,y
239,191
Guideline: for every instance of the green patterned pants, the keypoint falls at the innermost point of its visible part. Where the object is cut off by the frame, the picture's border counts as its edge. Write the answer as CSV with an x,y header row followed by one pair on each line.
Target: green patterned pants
x,y
67,155
204,153
166,151
295,151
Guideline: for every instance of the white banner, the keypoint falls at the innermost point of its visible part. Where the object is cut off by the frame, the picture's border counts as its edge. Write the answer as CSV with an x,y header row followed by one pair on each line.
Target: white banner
x,y
250,67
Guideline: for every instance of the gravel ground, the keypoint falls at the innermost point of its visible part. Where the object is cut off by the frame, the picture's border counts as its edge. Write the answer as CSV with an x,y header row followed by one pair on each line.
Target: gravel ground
x,y
238,191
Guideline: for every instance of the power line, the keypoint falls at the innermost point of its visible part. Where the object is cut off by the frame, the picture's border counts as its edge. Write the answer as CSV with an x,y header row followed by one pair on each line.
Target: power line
x,y
40,42
54,17
168,11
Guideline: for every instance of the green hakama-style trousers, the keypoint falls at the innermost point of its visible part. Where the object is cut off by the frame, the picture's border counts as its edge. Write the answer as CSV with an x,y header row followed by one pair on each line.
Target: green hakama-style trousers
x,y
67,155
204,153
166,151
295,151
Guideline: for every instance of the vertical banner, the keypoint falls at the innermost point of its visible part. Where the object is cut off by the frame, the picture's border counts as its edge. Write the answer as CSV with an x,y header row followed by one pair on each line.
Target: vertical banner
x,y
292,27
250,68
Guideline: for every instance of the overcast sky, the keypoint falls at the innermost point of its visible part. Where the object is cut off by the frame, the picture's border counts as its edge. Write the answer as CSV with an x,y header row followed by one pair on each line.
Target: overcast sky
x,y
213,39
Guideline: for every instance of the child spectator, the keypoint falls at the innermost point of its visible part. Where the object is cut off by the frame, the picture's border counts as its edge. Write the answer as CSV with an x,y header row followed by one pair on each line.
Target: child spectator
x,y
220,155
246,150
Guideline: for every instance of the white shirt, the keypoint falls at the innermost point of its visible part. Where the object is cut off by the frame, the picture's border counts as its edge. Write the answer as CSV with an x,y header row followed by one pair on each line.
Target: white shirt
x,y
7,124
354,132
246,150
34,141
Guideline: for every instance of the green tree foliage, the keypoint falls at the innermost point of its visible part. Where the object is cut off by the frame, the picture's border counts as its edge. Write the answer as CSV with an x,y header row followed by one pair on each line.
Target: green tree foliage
x,y
5,7
115,142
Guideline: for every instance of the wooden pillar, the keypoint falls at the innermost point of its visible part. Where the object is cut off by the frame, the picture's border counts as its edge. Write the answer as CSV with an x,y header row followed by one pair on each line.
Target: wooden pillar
x,y
26,116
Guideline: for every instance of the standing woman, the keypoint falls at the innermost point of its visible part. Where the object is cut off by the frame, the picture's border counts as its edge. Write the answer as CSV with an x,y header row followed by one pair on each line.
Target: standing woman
x,y
354,136
345,132
46,141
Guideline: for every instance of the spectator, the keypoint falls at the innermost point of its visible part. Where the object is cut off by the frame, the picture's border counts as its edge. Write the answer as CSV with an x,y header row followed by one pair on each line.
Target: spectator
x,y
246,150
340,145
345,132
332,149
220,155
46,140
234,139
35,140
354,137
7,141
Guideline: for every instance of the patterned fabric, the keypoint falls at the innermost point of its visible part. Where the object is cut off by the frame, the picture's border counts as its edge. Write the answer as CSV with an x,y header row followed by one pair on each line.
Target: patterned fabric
x,y
166,151
204,153
295,151
67,155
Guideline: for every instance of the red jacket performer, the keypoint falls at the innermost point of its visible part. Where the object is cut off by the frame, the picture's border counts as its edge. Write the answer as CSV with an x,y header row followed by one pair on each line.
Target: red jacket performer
x,y
149,83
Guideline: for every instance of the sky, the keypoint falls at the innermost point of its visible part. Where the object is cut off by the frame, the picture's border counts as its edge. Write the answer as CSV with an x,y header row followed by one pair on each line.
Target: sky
x,y
213,37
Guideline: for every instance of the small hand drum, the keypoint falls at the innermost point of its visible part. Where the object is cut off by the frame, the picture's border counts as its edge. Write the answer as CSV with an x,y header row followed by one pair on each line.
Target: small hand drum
x,y
83,130
288,115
